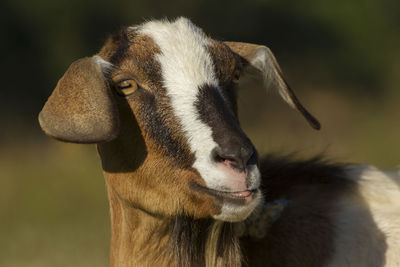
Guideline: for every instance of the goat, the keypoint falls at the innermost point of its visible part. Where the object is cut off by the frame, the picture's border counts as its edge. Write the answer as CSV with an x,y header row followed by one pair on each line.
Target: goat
x,y
184,182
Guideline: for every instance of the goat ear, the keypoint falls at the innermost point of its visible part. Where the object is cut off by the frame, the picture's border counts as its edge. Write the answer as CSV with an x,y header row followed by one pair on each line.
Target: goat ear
x,y
261,59
81,108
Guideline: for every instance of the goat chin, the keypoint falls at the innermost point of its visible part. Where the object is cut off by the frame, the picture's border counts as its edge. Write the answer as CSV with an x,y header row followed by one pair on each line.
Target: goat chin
x,y
232,212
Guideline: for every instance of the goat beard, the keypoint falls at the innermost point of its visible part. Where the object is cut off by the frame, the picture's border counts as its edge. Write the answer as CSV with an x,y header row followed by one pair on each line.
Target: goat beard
x,y
204,242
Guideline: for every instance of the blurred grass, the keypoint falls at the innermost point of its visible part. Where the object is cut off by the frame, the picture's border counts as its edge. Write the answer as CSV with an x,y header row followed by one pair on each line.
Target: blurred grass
x,y
359,129
53,207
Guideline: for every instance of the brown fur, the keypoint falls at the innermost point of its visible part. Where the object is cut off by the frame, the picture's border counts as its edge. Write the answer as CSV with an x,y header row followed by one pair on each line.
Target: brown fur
x,y
225,62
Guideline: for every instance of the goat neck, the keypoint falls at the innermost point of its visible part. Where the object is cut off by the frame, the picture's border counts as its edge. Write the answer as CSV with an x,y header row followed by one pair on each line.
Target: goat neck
x,y
138,238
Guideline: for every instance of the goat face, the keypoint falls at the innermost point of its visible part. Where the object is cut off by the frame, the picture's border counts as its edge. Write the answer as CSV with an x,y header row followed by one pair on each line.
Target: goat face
x,y
160,98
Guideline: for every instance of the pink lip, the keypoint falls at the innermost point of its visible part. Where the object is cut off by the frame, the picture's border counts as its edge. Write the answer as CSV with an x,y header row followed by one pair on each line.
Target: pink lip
x,y
242,194
244,197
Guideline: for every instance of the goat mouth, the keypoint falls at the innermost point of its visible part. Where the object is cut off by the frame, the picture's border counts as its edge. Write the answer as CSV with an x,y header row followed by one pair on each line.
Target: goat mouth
x,y
235,197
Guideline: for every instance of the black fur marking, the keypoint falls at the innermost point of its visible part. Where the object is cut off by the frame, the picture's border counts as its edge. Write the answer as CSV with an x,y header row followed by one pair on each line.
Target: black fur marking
x,y
215,112
279,174
188,240
122,49
155,126
229,93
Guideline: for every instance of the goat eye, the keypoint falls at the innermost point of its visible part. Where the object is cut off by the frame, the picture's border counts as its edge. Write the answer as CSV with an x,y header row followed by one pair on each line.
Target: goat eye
x,y
236,76
126,87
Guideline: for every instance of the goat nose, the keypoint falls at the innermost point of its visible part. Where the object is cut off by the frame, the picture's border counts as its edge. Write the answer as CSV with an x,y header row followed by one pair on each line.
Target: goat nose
x,y
235,156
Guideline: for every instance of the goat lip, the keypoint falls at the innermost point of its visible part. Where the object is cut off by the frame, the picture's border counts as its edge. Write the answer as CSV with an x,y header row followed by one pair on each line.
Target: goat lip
x,y
236,194
245,195
237,198
242,194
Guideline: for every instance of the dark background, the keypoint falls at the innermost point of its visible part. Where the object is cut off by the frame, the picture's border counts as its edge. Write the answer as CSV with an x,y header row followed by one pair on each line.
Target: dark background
x,y
341,57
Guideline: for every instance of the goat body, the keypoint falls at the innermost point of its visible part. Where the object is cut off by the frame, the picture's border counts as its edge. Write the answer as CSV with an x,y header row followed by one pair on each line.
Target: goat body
x,y
184,182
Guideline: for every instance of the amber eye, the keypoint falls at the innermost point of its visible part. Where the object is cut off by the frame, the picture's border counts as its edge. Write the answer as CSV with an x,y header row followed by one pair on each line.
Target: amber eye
x,y
236,76
126,87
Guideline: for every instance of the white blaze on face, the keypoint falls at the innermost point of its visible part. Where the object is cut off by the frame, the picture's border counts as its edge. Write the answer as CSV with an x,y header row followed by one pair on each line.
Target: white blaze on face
x,y
186,65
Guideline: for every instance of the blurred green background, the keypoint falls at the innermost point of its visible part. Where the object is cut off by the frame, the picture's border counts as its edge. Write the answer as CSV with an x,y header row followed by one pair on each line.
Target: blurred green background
x,y
341,57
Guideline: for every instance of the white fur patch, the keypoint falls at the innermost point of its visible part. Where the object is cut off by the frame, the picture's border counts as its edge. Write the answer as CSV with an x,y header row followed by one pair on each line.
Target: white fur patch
x,y
368,226
186,65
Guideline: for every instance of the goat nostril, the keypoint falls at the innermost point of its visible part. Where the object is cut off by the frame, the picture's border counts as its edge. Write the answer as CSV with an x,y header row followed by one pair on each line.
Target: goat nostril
x,y
221,158
234,158
227,161
218,158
